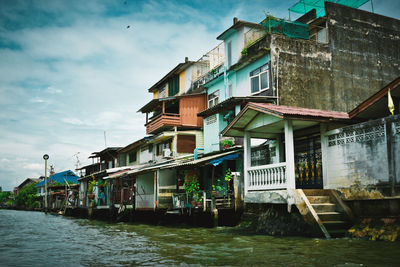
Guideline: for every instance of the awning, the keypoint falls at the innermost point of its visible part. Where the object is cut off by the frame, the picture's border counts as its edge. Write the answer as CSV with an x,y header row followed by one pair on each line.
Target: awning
x,y
218,161
208,159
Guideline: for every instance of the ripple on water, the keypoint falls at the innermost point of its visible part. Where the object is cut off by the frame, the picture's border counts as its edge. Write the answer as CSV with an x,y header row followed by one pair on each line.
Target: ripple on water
x,y
33,238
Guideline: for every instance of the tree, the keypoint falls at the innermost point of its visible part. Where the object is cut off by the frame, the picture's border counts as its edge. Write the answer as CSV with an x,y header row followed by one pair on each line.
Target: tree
x,y
4,196
27,197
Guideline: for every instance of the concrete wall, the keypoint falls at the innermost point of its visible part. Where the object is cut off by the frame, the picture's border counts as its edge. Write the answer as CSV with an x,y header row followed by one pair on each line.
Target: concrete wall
x,y
365,155
145,155
361,56
365,52
211,133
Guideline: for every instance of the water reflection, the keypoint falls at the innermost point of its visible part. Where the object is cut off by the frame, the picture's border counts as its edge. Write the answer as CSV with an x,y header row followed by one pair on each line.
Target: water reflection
x,y
37,239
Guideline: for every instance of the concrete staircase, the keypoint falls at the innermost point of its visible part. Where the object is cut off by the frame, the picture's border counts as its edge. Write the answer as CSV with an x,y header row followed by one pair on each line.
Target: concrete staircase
x,y
329,211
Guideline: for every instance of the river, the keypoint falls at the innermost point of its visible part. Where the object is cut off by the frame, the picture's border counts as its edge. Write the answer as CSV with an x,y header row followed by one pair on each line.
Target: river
x,y
38,239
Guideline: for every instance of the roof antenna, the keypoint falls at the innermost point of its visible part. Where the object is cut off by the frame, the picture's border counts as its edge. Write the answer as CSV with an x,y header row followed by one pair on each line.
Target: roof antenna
x,y
105,139
77,160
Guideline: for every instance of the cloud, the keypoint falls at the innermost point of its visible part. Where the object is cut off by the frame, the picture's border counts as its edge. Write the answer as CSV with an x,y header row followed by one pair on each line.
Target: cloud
x,y
33,166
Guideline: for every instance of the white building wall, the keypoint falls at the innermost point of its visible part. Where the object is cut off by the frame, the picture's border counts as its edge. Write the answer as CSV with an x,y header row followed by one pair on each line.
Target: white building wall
x,y
359,154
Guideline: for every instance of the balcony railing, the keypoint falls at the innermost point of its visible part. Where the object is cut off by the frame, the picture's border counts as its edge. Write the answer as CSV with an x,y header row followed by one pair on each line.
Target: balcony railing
x,y
212,74
209,66
182,201
253,36
267,177
166,119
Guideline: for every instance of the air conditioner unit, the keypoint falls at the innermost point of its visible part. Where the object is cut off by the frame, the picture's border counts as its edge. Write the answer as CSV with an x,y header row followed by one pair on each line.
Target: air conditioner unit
x,y
167,153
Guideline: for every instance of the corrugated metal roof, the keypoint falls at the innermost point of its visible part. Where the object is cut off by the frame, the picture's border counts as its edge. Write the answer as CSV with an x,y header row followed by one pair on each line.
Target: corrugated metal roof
x,y
308,112
206,158
153,167
60,177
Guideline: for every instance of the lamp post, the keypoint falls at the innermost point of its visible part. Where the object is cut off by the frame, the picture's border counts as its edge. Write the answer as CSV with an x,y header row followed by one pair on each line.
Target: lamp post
x,y
45,157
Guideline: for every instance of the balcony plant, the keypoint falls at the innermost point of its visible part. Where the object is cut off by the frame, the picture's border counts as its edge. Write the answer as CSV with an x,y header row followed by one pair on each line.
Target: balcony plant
x,y
227,143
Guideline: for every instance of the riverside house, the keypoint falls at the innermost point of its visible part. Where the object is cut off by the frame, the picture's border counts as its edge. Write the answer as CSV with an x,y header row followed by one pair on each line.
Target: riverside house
x,y
59,186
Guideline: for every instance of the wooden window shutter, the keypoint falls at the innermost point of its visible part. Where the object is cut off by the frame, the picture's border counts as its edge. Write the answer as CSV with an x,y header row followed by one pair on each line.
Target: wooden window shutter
x,y
173,86
186,143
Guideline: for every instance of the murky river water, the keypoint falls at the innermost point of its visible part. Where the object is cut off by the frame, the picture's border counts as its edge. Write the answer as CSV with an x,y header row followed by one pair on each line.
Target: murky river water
x,y
37,239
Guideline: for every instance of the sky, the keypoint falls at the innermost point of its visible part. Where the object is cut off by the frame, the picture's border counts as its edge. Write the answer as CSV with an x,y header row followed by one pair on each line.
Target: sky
x,y
73,74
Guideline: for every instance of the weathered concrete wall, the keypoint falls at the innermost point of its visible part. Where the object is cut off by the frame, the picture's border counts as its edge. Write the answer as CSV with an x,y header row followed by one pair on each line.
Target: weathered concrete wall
x,y
362,56
365,52
365,156
302,72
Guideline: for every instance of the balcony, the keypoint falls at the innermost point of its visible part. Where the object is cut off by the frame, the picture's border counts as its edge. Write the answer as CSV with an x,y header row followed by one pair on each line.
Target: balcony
x,y
161,121
267,177
253,35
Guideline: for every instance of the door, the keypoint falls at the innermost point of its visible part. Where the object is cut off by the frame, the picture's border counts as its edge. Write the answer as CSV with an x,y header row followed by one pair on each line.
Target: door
x,y
308,163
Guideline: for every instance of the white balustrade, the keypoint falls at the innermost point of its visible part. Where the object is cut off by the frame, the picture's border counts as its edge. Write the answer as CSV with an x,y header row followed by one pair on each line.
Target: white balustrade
x,y
267,177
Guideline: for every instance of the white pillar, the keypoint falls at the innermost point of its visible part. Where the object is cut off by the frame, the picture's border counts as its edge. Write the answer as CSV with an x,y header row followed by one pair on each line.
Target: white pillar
x,y
289,150
246,160
324,146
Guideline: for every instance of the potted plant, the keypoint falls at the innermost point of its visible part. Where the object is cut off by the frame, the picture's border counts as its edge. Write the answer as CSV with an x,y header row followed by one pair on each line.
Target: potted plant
x,y
227,143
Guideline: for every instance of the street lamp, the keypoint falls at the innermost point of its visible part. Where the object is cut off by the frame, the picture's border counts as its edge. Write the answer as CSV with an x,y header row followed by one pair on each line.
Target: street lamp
x,y
45,157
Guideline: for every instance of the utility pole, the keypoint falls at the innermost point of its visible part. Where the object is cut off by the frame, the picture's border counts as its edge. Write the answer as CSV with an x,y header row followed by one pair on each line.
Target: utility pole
x,y
45,157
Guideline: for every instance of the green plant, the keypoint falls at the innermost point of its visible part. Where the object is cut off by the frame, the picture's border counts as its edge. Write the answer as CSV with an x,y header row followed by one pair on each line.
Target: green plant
x,y
218,186
91,183
228,175
227,143
244,52
191,185
27,197
4,196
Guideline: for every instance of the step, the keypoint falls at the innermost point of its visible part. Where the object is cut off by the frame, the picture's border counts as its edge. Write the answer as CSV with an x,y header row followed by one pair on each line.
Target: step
x,y
324,207
319,199
330,216
316,192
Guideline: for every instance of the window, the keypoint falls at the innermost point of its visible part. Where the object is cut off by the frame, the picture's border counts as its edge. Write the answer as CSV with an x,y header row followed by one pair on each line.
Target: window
x,y
173,86
212,99
229,48
259,79
162,146
186,143
132,156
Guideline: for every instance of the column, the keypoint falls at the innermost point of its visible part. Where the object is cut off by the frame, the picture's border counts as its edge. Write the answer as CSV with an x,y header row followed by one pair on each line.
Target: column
x,y
246,160
289,150
324,151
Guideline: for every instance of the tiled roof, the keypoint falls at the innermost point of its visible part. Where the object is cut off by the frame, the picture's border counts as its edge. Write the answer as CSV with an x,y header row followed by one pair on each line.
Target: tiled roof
x,y
296,111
